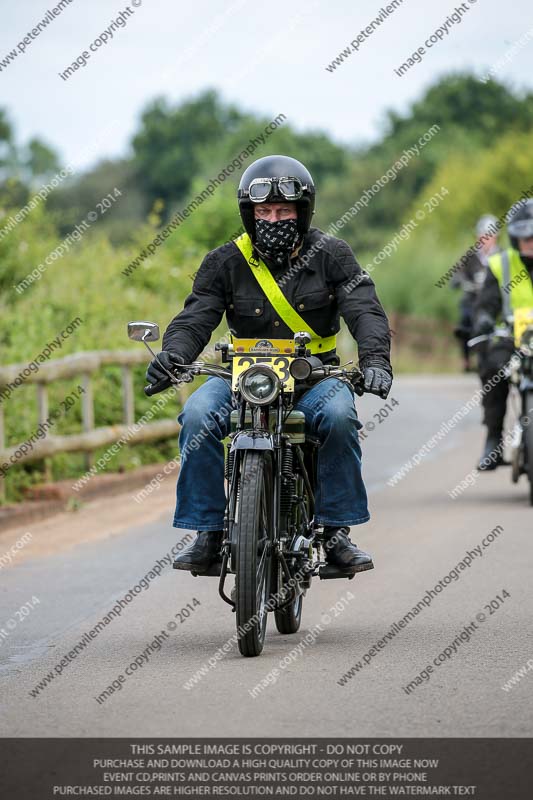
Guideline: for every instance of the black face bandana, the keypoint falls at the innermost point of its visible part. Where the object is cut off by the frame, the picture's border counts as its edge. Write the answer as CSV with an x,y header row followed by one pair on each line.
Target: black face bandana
x,y
276,240
527,261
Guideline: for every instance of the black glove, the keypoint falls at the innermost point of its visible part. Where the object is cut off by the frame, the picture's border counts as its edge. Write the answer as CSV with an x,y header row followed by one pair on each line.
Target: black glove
x,y
462,333
156,376
377,377
484,324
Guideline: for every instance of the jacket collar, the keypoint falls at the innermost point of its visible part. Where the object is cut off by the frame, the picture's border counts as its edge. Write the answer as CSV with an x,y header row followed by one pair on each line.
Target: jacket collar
x,y
308,263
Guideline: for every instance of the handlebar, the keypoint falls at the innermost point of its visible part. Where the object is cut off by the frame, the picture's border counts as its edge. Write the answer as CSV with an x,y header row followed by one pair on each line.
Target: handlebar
x,y
354,376
185,373
485,337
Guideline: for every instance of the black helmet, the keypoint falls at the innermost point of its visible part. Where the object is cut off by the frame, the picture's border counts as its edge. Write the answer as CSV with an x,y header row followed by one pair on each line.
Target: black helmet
x,y
520,222
284,179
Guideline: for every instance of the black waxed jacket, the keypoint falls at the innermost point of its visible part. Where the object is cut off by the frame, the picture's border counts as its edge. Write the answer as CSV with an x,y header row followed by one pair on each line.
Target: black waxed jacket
x,y
330,284
470,275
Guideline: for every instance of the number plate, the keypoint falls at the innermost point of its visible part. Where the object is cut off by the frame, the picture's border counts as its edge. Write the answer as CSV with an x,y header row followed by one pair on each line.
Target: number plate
x,y
280,365
276,353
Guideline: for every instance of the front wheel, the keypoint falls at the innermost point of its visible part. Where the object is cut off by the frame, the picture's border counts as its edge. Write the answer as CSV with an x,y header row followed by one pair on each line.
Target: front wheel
x,y
253,537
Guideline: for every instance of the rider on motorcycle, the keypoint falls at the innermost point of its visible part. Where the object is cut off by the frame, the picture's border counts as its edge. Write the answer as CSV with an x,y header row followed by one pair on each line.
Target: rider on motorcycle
x,y
508,286
320,278
470,276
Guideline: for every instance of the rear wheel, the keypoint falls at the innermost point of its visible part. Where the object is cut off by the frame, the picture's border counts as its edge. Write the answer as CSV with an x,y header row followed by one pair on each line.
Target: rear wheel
x,y
289,618
253,538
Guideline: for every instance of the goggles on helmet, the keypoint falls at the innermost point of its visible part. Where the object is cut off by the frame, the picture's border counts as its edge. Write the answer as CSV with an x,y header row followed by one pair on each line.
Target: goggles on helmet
x,y
261,189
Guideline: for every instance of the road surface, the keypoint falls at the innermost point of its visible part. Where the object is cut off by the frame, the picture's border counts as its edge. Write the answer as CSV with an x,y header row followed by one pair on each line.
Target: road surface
x,y
77,566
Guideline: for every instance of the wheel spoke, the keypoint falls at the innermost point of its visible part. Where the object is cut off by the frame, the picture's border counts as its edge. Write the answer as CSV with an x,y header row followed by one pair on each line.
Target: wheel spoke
x,y
262,547
261,569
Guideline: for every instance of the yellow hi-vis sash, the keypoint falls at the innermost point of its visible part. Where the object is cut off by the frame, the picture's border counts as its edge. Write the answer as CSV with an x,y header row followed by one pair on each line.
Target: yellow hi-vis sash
x,y
275,296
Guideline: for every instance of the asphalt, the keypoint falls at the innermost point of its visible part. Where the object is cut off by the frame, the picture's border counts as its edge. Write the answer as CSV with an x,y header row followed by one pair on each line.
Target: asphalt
x,y
418,534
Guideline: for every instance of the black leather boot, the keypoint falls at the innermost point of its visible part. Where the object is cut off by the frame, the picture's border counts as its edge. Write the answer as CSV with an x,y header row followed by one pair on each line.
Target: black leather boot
x,y
202,553
344,554
492,454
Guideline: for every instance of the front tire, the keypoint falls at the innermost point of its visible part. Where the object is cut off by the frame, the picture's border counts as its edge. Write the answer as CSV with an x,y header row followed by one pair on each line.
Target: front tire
x,y
253,536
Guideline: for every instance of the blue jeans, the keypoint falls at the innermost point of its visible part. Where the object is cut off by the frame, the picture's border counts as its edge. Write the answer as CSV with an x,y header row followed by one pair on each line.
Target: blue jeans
x,y
330,416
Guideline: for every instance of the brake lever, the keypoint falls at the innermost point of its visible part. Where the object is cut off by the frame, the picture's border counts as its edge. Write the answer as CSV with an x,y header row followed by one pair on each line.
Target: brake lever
x,y
185,377
358,382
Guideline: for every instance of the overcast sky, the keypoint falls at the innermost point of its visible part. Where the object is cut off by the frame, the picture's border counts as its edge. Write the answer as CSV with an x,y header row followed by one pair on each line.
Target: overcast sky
x,y
268,57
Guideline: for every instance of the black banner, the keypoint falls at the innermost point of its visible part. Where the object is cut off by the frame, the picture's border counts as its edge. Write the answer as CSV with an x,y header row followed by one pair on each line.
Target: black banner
x,y
487,769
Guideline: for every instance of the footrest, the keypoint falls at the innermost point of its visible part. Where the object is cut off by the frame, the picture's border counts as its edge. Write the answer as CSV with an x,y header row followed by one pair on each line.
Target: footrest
x,y
212,572
327,573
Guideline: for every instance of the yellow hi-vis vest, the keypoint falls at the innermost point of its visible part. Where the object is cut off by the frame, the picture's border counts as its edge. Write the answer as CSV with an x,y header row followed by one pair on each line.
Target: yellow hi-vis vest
x,y
515,284
291,318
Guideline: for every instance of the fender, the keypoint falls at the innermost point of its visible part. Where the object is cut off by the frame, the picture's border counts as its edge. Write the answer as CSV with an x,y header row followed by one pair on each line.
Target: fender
x,y
252,440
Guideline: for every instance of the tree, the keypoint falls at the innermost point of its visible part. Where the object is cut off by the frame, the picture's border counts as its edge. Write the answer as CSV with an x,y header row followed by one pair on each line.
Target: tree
x,y
168,147
460,100
7,152
40,160
471,115
74,199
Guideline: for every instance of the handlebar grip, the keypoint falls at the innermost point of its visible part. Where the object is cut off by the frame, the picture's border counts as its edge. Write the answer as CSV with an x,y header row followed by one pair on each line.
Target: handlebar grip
x,y
154,388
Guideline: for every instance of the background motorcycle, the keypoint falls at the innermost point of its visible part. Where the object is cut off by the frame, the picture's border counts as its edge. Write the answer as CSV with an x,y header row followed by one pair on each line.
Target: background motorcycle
x,y
520,376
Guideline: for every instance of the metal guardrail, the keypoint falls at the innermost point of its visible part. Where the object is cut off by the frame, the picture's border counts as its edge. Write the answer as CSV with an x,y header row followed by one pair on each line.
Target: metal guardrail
x,y
83,364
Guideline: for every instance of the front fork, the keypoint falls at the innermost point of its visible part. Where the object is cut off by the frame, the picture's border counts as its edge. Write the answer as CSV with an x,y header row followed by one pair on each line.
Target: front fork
x,y
235,460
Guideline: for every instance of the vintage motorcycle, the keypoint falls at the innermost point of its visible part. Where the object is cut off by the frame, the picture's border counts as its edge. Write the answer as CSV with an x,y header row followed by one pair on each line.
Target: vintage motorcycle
x,y
271,542
517,335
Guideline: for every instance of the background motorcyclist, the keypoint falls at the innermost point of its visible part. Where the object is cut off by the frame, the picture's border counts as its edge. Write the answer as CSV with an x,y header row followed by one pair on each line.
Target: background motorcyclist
x,y
321,280
470,276
508,286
